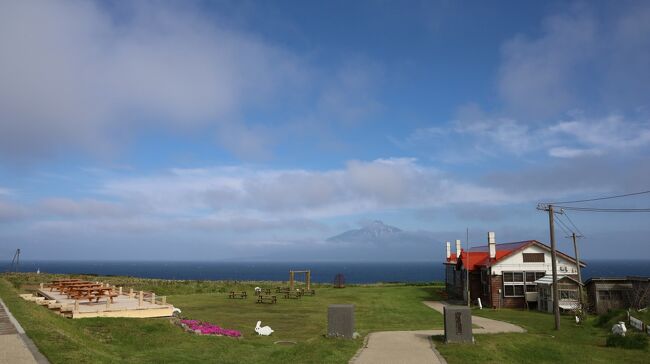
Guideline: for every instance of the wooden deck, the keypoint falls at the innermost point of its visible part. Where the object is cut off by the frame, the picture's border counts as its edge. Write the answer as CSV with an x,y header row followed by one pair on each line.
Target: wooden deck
x,y
122,305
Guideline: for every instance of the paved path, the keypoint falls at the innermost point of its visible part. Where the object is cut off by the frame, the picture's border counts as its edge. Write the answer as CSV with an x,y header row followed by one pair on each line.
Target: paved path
x,y
414,347
15,346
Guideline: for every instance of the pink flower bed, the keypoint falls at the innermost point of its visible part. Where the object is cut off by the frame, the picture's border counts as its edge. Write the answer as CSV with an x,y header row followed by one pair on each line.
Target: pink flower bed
x,y
206,328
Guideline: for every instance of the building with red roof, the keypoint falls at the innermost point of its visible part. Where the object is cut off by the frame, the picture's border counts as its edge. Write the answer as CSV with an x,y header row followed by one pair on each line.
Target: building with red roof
x,y
502,275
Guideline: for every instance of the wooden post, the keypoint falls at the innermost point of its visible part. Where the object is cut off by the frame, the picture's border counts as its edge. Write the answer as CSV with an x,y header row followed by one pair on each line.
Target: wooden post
x,y
575,247
164,300
153,298
120,290
76,305
130,292
140,298
291,273
308,279
108,302
41,285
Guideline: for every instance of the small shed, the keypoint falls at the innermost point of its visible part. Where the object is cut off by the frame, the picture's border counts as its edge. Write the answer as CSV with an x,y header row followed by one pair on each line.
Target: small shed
x,y
568,289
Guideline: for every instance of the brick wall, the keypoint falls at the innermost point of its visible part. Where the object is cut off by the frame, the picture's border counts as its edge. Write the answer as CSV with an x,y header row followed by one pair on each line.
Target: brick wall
x,y
496,283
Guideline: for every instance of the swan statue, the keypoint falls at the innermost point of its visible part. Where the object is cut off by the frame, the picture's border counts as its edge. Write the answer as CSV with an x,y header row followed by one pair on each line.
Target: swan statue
x,y
266,331
619,329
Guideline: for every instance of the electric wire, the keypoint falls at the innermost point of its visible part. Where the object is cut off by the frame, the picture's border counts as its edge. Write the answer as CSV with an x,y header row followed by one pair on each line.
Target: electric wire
x,y
601,198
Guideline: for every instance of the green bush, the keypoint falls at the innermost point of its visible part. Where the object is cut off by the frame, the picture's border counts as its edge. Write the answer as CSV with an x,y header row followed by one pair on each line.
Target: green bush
x,y
630,341
610,318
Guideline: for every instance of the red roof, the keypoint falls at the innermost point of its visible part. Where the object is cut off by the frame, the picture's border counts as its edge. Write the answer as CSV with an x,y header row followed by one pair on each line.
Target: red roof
x,y
479,256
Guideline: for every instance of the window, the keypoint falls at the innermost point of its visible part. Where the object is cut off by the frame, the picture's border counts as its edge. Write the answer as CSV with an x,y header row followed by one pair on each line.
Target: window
x,y
516,283
568,294
533,257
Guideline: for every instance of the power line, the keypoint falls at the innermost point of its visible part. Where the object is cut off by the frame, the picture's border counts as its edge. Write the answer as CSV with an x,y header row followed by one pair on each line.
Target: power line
x,y
574,225
602,198
597,209
563,226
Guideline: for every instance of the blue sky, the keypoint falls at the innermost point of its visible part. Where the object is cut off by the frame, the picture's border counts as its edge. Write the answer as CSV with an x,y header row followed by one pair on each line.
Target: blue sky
x,y
255,130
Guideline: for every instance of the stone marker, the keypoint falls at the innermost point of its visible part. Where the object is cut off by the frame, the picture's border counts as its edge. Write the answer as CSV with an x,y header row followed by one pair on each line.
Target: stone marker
x,y
458,324
340,321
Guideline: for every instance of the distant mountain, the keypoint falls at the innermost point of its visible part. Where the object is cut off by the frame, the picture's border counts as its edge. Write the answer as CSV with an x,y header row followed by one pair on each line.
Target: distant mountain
x,y
374,231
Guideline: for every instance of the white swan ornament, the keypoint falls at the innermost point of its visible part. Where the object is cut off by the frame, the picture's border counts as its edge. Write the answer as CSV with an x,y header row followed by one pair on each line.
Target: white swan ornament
x,y
266,331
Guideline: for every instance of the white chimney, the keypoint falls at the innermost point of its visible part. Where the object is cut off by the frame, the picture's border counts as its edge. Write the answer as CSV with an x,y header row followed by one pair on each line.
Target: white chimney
x,y
448,250
457,249
492,244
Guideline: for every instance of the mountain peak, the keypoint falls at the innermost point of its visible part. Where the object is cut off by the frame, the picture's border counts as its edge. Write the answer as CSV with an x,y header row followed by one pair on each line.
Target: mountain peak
x,y
373,231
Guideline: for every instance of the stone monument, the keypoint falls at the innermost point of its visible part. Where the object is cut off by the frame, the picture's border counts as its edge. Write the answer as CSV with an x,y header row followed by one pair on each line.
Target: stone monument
x,y
340,321
458,324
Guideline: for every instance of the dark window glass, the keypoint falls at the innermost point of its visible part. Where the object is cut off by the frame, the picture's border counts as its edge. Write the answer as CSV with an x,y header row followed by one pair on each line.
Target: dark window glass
x,y
530,276
531,288
517,276
519,290
507,277
508,290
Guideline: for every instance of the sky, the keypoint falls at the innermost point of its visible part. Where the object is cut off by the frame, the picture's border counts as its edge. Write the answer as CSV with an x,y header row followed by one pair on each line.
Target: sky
x,y
255,130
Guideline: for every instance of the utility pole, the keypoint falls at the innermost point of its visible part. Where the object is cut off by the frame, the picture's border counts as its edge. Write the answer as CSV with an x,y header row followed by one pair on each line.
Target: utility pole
x,y
556,301
575,248
556,298
469,300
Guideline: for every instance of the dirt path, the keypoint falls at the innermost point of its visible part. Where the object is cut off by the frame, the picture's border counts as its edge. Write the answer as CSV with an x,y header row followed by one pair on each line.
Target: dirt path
x,y
413,347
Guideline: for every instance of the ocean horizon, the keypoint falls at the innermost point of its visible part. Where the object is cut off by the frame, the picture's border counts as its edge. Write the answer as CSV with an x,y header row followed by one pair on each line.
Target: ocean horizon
x,y
322,272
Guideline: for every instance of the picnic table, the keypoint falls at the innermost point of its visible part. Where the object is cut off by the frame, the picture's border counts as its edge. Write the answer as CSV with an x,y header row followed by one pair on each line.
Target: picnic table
x,y
308,292
281,289
267,299
234,294
292,295
91,293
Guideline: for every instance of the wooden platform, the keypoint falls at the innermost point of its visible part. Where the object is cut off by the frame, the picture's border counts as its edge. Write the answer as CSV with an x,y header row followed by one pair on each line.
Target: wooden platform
x,y
122,306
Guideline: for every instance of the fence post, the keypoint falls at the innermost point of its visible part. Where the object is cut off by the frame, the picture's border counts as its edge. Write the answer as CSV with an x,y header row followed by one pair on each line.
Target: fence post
x,y
164,300
130,292
120,290
140,298
153,298
76,305
41,285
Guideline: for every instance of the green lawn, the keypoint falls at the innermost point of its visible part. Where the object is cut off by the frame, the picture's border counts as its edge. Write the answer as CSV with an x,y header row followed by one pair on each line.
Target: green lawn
x,y
103,340
542,344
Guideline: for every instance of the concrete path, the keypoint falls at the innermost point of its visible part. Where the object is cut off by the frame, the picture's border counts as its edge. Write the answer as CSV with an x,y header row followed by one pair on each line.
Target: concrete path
x,y
15,346
414,347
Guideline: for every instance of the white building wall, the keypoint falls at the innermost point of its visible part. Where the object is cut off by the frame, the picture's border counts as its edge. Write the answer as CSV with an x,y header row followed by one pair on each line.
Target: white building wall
x,y
516,263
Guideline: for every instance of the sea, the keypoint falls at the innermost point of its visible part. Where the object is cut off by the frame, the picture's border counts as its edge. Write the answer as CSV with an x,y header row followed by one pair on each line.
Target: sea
x,y
322,272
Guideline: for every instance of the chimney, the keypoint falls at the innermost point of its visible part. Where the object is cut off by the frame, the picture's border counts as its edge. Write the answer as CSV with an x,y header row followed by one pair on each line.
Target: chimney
x,y
457,249
492,244
448,250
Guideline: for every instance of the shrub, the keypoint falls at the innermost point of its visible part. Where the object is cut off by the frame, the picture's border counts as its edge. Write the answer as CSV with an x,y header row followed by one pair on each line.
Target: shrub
x,y
630,341
610,318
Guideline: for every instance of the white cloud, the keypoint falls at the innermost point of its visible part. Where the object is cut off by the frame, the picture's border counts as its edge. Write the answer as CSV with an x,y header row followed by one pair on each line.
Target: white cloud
x,y
74,76
292,194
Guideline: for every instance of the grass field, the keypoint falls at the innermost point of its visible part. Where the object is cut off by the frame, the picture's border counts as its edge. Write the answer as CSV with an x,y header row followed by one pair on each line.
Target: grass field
x,y
102,340
542,344
378,308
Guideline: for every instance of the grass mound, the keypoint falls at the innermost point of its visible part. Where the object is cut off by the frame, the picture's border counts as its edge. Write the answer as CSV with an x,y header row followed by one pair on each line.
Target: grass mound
x,y
630,341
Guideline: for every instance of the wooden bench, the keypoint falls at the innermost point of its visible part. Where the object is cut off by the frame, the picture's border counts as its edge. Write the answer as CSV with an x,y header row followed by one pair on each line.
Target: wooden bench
x,y
281,289
292,295
308,292
267,299
234,294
